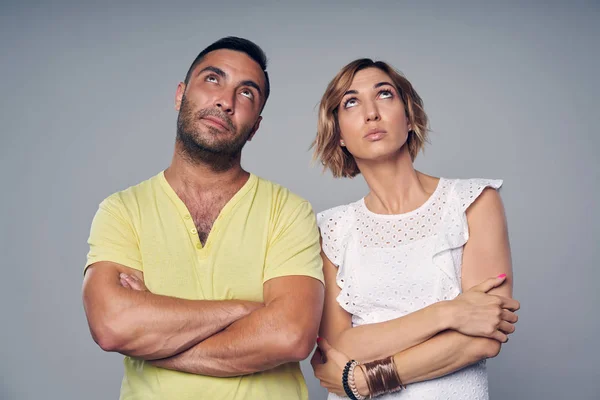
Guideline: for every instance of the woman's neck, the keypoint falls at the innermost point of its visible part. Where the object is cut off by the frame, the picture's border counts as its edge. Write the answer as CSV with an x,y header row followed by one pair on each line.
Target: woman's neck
x,y
395,186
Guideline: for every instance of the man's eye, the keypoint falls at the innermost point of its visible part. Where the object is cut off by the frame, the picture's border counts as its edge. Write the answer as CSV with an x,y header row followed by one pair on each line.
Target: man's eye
x,y
211,78
248,94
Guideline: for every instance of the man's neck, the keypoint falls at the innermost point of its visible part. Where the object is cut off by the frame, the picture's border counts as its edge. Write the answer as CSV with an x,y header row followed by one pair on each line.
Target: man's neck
x,y
189,177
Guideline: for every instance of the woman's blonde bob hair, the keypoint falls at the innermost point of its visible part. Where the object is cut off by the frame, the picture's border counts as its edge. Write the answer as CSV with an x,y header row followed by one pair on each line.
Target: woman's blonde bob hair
x,y
327,143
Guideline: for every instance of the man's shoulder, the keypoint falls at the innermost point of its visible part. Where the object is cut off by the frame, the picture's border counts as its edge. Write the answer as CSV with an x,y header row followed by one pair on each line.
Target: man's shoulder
x,y
134,196
281,196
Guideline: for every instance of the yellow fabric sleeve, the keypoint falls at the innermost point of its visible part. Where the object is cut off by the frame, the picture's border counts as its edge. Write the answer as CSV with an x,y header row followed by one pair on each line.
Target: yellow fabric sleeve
x,y
294,248
112,237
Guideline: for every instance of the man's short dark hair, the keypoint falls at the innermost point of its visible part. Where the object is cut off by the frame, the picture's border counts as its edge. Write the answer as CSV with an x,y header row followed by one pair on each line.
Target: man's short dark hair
x,y
238,44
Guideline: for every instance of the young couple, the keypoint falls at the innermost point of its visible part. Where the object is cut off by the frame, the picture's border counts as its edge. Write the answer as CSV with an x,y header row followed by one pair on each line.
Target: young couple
x,y
214,283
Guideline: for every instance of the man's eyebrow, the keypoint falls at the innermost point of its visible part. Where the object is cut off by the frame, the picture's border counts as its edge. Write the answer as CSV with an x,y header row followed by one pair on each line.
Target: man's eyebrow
x,y
223,74
216,70
252,84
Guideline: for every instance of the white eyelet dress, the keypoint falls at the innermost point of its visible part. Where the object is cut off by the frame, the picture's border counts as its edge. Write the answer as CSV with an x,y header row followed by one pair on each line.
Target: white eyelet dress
x,y
392,265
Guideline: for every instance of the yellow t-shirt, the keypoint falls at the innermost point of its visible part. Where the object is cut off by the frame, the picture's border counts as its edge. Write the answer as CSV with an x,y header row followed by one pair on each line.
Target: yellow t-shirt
x,y
263,232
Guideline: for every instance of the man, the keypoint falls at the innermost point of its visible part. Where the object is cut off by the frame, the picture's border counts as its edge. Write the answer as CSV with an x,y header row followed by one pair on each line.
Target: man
x,y
207,278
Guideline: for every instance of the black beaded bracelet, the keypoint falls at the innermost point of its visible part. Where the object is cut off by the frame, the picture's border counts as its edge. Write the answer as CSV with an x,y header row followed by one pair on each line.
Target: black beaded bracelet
x,y
345,380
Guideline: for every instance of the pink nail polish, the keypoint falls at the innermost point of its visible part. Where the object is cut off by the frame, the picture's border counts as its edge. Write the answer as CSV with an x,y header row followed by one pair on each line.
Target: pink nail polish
x,y
318,339
501,276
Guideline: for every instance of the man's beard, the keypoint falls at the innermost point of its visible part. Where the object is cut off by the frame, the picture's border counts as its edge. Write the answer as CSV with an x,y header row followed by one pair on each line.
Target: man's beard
x,y
206,144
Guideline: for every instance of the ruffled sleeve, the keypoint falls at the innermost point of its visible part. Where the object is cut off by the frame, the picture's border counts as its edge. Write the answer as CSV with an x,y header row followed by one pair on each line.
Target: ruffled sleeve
x,y
468,190
454,232
334,225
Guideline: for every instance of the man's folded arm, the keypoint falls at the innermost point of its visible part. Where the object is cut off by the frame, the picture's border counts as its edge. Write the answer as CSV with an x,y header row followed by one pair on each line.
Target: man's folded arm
x,y
149,326
139,323
283,331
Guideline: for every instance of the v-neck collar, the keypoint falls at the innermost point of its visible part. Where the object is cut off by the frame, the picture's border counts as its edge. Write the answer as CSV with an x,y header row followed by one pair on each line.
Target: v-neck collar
x,y
187,217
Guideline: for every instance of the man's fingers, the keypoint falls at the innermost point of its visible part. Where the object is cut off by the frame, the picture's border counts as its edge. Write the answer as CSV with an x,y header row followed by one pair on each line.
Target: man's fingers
x,y
132,282
509,316
489,284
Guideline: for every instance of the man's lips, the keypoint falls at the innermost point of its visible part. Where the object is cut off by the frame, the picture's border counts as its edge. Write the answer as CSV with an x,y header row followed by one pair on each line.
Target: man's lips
x,y
216,122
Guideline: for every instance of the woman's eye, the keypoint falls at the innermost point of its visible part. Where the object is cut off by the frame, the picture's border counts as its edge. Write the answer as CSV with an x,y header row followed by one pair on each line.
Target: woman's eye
x,y
349,103
385,94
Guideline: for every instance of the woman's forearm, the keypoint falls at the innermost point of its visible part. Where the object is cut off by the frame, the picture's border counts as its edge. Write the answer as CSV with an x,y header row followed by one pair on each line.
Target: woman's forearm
x,y
441,355
373,341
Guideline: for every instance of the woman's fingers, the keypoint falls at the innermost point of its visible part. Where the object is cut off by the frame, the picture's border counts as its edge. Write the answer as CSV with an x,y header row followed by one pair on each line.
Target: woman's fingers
x,y
316,360
489,284
499,336
506,327
509,304
509,316
332,354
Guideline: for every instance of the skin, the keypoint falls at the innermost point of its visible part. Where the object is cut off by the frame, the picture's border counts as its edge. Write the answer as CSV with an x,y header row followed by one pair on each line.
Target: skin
x,y
446,336
219,112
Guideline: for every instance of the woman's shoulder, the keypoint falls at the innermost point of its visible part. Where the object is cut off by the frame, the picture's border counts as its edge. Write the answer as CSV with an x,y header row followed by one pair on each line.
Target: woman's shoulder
x,y
335,226
465,191
340,212
464,183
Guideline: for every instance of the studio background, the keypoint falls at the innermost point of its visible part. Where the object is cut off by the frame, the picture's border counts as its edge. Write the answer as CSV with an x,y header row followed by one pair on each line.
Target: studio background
x,y
86,109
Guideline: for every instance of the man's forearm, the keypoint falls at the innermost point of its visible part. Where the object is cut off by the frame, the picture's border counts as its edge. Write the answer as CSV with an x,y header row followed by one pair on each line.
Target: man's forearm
x,y
258,342
149,326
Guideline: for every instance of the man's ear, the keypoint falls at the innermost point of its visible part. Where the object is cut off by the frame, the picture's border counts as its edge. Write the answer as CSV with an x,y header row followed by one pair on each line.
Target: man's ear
x,y
255,128
179,95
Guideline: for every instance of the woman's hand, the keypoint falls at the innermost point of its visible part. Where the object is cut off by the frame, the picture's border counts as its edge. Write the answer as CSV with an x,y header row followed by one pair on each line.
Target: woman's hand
x,y
476,313
328,364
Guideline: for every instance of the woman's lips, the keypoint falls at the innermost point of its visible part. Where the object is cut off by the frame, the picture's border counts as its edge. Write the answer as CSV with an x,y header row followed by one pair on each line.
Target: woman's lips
x,y
375,134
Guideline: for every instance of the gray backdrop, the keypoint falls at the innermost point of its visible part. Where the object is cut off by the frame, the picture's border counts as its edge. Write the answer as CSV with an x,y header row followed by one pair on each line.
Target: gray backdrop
x,y
86,109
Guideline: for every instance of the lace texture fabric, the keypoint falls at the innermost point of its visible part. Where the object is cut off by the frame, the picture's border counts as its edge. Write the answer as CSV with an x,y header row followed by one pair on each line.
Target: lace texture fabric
x,y
392,265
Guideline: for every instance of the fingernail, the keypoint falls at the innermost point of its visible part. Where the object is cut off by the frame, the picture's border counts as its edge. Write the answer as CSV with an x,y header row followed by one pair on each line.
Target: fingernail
x,y
122,275
318,339
501,275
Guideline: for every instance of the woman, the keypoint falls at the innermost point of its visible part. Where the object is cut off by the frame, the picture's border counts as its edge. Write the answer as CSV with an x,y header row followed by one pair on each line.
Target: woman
x,y
405,266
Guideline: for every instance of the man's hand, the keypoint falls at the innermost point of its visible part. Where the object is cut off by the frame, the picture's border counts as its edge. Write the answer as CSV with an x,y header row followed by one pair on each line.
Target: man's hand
x,y
132,282
123,314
